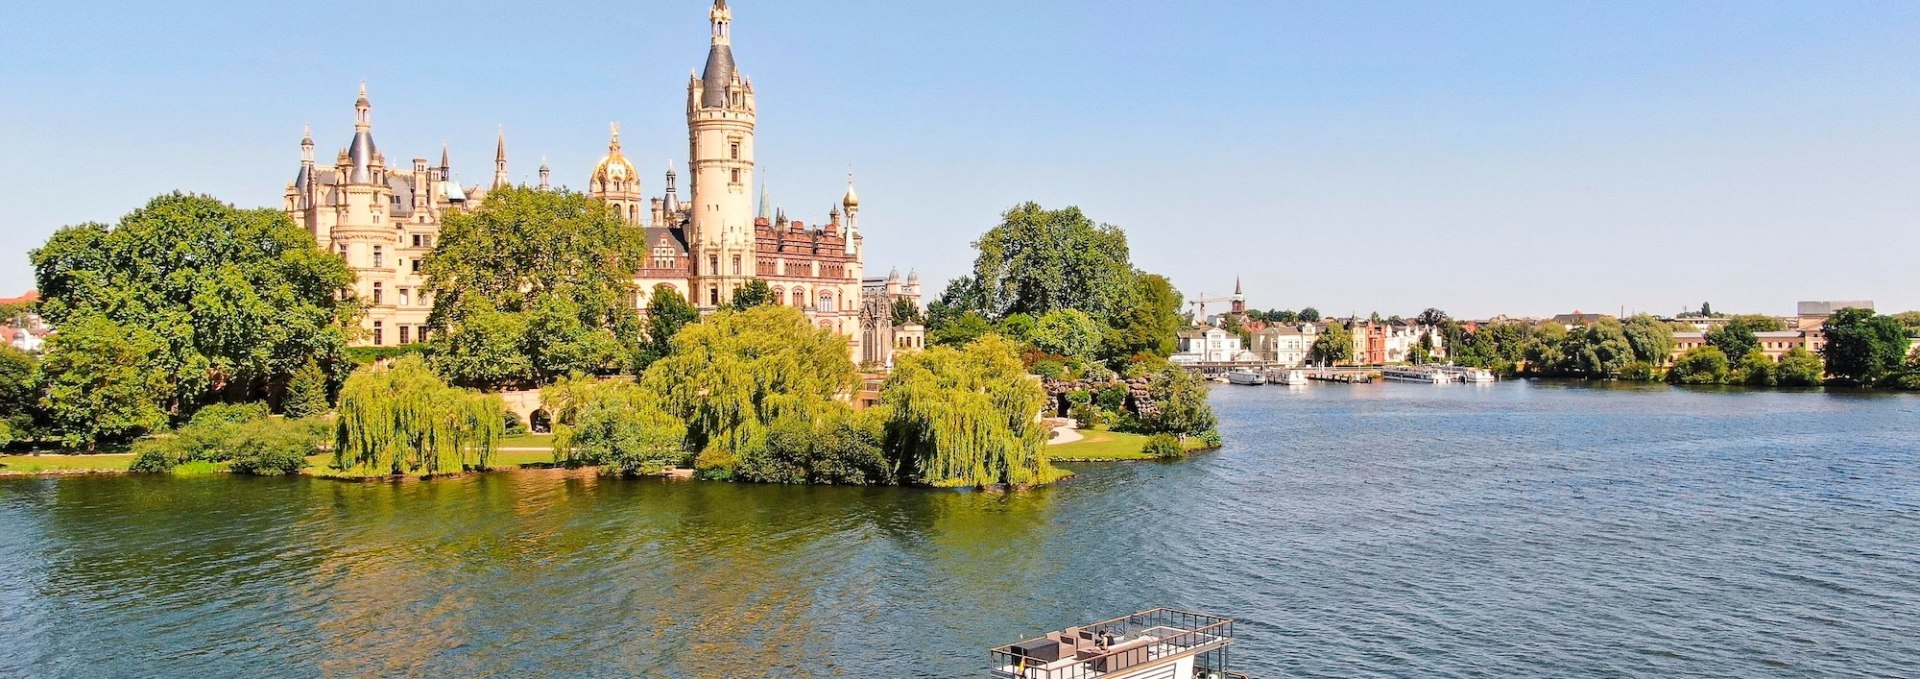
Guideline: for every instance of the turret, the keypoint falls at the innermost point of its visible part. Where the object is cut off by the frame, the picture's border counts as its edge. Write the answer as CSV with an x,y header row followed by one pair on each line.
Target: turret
x,y
545,175
852,202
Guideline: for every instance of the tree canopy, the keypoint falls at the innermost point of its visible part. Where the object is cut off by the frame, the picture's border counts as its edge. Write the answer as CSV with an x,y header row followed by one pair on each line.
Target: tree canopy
x,y
1863,348
733,374
548,274
233,301
966,417
1039,260
402,419
1333,345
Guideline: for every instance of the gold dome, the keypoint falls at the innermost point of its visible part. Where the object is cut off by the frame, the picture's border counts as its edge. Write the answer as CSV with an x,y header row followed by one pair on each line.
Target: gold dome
x,y
614,170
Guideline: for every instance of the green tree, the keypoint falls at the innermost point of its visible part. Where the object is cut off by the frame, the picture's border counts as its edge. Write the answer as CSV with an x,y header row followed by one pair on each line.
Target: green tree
x,y
1179,404
667,313
965,417
306,394
1016,327
19,394
1755,370
1309,315
905,311
1651,339
1432,317
402,419
1545,351
619,427
1333,345
1733,339
1863,348
1800,368
101,382
1700,365
1067,332
963,329
236,300
729,377
1600,350
754,293
1040,260
1151,323
557,265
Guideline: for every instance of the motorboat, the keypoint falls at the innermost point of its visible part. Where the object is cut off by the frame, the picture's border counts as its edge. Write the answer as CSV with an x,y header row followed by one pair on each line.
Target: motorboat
x,y
1293,378
1406,373
1246,376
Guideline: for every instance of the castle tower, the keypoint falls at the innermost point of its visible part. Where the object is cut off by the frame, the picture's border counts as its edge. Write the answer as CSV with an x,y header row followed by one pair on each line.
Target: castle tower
x,y
546,175
1239,298
852,202
616,182
720,123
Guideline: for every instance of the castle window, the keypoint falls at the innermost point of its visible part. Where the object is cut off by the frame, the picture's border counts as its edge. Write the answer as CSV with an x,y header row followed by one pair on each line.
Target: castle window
x,y
376,292
713,264
826,303
416,266
403,334
736,265
378,258
405,300
379,336
735,151
423,334
799,298
713,295
736,175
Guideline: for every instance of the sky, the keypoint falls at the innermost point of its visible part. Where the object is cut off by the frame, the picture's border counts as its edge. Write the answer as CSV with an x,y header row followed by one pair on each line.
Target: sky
x,y
1522,158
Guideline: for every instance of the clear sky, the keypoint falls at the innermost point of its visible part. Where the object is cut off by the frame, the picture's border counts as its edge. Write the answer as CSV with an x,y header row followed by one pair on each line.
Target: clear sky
x,y
1517,157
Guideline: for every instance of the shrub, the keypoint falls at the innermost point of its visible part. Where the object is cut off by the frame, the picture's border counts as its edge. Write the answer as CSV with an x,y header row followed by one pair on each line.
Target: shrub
x,y
1179,404
1164,446
620,427
1211,439
1800,368
306,392
262,447
1112,399
275,447
1052,370
1701,365
1756,369
1087,415
151,459
230,413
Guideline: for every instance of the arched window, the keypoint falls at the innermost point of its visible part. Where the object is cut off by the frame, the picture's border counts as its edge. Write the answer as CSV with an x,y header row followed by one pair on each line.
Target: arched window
x,y
826,302
800,298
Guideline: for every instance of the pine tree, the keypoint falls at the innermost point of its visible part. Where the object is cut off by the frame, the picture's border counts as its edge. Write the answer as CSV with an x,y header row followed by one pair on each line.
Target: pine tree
x,y
306,392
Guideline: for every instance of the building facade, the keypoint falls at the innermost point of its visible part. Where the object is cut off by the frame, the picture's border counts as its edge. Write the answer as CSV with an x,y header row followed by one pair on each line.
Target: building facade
x,y
705,246
1287,344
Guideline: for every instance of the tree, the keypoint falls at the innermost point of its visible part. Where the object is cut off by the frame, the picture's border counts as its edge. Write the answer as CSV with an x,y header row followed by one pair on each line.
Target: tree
x,y
1040,260
306,394
905,311
558,265
964,329
732,375
1700,365
1432,317
1600,350
754,293
1706,310
1863,348
402,419
1755,369
1545,352
965,417
1150,324
1733,339
1310,315
667,313
1067,332
1799,368
19,394
1333,345
1651,339
1179,404
234,300
619,427
842,447
102,383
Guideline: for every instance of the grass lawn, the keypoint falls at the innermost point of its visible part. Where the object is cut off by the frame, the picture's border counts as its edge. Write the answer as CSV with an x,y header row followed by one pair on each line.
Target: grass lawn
x,y
1100,444
541,441
36,464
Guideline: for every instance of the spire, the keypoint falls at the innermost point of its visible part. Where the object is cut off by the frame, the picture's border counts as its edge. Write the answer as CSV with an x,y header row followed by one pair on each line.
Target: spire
x,y
613,146
720,71
446,168
500,160
304,178
545,172
361,151
673,198
1236,285
851,200
766,201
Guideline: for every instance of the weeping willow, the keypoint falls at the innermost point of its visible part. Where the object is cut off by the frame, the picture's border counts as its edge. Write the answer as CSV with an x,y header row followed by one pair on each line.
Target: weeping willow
x,y
966,417
403,420
736,372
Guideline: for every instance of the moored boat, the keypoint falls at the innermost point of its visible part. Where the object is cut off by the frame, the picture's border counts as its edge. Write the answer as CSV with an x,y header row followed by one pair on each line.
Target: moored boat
x,y
1246,376
1407,373
1293,378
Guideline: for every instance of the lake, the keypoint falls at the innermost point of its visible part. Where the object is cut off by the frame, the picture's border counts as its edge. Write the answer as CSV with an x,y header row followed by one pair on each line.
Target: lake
x,y
1522,529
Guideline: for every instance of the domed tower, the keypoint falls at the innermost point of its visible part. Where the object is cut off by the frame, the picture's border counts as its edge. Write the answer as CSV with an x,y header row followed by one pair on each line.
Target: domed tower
x,y
616,182
720,122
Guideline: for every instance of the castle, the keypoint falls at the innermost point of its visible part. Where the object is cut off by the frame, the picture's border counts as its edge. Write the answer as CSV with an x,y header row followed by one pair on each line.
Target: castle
x,y
384,221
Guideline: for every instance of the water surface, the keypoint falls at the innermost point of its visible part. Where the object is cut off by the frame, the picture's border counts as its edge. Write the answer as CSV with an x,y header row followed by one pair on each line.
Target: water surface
x,y
1387,530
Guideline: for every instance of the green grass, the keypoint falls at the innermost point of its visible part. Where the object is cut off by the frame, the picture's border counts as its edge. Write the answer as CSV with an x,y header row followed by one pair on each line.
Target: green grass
x,y
541,441
41,464
1100,444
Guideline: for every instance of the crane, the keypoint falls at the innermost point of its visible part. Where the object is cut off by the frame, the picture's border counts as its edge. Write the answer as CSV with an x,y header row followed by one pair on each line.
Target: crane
x,y
1202,300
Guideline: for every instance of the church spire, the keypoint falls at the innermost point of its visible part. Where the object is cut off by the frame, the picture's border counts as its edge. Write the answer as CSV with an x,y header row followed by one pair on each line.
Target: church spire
x,y
446,169
673,198
500,160
766,202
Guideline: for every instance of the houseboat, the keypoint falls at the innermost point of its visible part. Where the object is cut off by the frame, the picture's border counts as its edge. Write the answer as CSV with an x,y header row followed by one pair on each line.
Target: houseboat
x,y
1246,376
1407,373
1158,643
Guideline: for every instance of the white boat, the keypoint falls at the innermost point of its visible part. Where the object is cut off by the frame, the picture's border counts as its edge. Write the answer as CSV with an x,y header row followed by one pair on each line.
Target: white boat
x,y
1476,376
1403,373
1245,376
1293,378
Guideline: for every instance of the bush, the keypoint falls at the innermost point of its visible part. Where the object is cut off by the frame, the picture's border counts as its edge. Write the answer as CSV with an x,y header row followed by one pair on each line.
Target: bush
x,y
1164,446
1179,404
1800,368
843,448
1088,415
620,427
1756,369
275,447
230,413
1701,365
260,447
306,392
1211,439
150,459
1052,370
1112,399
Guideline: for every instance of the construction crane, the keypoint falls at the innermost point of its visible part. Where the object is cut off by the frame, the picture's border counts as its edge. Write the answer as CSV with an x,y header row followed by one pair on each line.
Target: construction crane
x,y
1202,300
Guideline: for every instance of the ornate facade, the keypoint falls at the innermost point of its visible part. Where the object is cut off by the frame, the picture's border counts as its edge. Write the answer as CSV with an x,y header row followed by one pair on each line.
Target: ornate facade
x,y
705,246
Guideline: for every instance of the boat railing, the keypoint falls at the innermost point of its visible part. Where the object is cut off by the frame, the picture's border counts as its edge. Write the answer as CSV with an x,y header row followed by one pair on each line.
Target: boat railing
x,y
1141,638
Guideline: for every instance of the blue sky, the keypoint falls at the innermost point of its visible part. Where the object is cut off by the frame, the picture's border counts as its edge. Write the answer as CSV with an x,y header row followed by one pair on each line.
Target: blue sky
x,y
1507,157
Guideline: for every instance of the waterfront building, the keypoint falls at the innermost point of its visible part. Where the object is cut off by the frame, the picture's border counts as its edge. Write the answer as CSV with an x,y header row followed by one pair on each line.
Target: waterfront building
x,y
1209,345
25,331
1285,345
881,337
707,245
